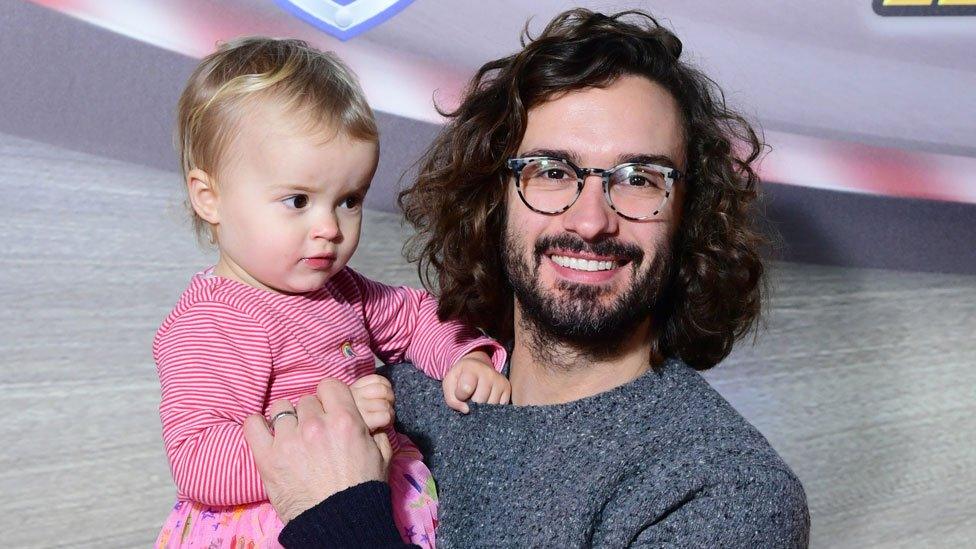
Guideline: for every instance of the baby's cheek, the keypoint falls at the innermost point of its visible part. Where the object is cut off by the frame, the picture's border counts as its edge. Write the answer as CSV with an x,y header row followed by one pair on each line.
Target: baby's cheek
x,y
350,238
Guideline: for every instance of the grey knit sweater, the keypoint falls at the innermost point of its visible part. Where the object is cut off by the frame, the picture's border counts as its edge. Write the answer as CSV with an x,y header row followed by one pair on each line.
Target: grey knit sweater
x,y
661,461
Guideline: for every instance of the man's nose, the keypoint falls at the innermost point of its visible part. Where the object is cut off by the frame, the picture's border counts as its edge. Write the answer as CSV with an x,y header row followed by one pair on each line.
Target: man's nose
x,y
591,216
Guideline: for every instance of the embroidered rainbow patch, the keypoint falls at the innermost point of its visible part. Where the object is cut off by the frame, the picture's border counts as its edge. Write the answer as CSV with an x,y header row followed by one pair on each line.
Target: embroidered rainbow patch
x,y
347,350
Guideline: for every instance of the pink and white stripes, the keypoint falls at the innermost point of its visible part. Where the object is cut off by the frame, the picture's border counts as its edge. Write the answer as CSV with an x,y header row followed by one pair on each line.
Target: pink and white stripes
x,y
228,350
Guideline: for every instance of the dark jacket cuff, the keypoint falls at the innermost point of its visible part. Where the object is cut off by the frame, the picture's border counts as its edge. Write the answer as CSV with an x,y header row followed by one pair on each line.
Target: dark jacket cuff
x,y
360,516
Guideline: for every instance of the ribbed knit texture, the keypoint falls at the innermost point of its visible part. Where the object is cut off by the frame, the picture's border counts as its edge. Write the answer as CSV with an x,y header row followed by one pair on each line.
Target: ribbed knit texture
x,y
661,461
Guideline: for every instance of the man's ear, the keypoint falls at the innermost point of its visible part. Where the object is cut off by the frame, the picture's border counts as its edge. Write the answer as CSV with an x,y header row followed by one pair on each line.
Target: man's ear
x,y
203,195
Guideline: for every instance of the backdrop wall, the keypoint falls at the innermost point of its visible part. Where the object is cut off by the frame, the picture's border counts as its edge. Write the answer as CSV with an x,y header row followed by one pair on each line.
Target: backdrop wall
x,y
863,378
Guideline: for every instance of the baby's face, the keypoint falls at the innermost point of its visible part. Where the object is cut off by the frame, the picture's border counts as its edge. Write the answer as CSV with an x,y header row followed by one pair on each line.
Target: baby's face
x,y
290,202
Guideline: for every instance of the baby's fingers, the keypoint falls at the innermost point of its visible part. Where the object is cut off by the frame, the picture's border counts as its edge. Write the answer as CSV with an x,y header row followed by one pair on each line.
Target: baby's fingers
x,y
483,391
450,394
467,384
498,389
377,414
373,386
506,395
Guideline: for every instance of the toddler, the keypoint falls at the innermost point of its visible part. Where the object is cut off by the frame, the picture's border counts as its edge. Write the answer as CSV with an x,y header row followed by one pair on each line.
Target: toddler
x,y
278,147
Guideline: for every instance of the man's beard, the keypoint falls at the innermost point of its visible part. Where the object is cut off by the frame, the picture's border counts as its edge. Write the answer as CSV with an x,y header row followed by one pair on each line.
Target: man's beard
x,y
573,314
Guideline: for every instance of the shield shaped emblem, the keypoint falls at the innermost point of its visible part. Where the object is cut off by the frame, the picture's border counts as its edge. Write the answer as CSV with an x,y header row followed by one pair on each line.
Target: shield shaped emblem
x,y
343,18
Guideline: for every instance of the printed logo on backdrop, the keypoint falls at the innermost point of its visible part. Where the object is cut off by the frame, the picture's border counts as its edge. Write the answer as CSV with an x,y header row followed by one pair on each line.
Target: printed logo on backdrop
x,y
344,19
924,7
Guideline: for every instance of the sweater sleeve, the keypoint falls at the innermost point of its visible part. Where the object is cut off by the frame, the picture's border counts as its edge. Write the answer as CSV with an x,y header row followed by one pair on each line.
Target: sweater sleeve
x,y
751,507
403,326
360,516
214,365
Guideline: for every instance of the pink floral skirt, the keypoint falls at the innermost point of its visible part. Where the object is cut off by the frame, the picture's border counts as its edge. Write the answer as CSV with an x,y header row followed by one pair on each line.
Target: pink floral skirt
x,y
256,525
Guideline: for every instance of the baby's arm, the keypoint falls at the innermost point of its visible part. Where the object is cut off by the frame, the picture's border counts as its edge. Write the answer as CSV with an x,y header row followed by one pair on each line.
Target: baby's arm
x,y
403,325
214,366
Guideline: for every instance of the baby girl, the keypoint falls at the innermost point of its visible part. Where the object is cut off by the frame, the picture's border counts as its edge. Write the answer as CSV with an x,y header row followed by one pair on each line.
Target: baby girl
x,y
278,147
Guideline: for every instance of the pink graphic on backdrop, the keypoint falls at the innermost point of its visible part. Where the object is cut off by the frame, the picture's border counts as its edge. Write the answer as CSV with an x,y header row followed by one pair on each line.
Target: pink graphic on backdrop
x,y
856,167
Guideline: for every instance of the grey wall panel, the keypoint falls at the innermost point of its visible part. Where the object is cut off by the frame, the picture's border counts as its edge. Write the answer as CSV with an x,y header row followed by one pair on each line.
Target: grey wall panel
x,y
75,85
81,87
863,379
859,230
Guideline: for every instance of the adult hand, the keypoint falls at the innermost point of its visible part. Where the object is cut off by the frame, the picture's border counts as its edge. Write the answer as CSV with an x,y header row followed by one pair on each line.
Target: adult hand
x,y
323,449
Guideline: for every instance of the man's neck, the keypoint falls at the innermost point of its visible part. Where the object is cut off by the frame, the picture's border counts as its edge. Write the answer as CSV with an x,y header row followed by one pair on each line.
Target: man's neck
x,y
557,372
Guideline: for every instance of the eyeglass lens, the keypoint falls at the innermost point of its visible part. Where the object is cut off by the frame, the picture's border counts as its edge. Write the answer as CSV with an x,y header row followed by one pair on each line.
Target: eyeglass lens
x,y
550,185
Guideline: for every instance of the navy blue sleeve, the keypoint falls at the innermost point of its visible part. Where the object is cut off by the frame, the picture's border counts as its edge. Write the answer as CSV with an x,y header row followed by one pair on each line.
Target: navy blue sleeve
x,y
360,516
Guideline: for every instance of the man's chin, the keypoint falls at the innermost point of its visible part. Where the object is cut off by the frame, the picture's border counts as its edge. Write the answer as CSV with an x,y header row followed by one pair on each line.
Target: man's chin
x,y
583,318
573,295
594,318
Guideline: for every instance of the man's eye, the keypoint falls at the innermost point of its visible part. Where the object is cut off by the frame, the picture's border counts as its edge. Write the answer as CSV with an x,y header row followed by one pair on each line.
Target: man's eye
x,y
297,201
554,174
638,181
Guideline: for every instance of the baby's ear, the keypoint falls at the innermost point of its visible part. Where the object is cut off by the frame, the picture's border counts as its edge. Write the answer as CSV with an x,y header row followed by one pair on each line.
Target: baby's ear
x,y
203,195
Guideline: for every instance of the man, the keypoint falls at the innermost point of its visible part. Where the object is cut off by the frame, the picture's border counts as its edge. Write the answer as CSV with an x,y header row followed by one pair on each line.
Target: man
x,y
588,202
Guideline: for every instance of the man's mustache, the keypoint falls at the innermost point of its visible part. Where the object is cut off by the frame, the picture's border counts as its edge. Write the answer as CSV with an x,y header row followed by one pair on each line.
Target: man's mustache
x,y
572,243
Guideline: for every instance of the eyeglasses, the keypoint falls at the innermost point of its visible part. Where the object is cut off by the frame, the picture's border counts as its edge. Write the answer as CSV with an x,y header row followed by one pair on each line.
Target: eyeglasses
x,y
549,185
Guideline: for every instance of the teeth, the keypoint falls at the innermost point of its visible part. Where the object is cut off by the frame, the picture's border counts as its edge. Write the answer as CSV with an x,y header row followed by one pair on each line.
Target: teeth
x,y
581,264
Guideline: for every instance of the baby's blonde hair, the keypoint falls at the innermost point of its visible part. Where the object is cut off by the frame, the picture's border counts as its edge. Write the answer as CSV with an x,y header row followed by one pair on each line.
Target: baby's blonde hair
x,y
310,83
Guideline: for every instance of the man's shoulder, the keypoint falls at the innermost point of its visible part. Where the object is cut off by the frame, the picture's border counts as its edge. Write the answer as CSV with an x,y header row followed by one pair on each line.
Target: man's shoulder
x,y
708,425
703,459
733,504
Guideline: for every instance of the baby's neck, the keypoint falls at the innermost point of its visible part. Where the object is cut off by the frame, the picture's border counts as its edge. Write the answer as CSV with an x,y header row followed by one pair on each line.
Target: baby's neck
x,y
226,268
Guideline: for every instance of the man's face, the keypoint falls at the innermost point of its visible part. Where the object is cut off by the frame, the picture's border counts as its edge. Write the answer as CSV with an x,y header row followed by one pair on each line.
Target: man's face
x,y
587,274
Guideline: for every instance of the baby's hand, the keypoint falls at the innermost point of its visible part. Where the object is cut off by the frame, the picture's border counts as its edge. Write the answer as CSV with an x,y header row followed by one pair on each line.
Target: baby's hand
x,y
374,398
474,378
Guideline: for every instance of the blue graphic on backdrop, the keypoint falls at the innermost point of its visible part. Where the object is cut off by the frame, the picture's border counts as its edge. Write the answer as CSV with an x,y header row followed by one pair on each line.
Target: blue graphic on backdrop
x,y
343,18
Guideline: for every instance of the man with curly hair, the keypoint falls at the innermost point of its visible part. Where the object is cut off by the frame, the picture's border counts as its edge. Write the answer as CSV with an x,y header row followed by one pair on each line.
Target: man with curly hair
x,y
591,202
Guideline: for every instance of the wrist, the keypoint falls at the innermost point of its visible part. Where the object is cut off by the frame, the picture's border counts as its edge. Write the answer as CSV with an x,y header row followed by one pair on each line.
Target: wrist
x,y
481,354
359,516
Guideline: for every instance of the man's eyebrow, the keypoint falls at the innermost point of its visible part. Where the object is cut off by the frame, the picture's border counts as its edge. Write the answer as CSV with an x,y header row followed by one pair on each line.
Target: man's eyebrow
x,y
658,159
625,158
555,153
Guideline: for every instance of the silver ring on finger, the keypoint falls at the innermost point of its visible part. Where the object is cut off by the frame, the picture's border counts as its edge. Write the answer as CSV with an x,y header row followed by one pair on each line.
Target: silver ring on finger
x,y
280,415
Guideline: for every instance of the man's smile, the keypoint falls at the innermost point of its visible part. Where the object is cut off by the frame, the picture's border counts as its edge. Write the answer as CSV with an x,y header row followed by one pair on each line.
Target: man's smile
x,y
584,261
584,270
579,262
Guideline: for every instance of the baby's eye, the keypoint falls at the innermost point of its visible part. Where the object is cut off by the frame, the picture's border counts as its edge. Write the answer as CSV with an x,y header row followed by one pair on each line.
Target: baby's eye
x,y
296,201
351,203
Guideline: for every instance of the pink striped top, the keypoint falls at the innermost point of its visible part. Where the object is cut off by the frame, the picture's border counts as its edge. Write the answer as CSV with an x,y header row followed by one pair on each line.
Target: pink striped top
x,y
227,350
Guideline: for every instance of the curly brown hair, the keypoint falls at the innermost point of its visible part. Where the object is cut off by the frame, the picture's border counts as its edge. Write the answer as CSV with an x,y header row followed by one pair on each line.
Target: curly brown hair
x,y
458,204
